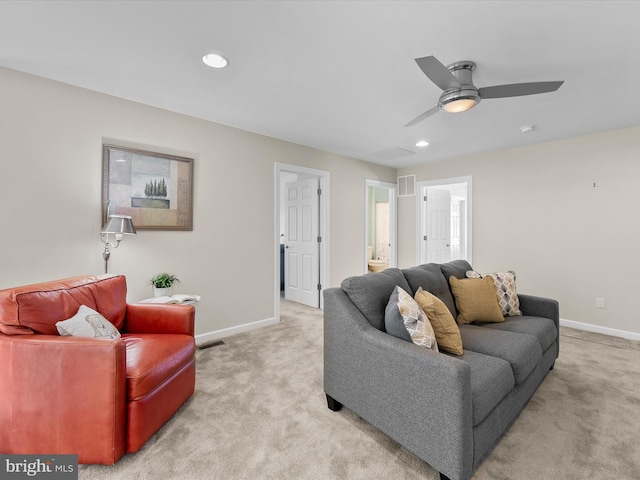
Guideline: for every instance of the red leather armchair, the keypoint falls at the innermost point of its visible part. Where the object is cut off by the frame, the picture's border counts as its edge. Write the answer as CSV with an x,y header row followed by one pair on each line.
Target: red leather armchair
x,y
94,397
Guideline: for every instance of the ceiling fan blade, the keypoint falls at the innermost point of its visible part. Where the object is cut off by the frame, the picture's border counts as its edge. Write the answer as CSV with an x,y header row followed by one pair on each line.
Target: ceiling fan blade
x,y
518,89
437,72
425,115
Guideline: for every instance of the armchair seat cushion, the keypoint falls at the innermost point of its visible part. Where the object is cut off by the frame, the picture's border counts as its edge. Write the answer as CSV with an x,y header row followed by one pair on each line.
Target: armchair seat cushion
x,y
152,358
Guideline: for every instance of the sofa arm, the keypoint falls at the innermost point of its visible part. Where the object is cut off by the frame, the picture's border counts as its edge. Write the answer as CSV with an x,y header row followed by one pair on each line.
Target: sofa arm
x,y
540,307
63,395
154,318
418,397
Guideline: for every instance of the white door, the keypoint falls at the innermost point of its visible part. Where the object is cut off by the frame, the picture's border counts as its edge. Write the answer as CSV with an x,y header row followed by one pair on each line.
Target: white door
x,y
437,235
383,244
301,259
456,228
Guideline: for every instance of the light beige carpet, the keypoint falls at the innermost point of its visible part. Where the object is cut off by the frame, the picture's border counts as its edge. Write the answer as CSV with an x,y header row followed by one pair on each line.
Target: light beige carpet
x,y
259,412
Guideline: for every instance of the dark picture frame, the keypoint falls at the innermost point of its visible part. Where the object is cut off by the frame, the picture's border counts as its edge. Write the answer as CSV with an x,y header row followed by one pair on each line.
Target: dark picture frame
x,y
154,189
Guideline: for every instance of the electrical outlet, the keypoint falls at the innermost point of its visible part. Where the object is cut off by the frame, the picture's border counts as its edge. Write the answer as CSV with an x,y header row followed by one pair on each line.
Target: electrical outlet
x,y
599,302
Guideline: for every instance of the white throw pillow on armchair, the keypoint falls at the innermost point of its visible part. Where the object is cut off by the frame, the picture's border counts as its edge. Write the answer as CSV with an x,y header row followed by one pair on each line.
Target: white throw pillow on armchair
x,y
87,323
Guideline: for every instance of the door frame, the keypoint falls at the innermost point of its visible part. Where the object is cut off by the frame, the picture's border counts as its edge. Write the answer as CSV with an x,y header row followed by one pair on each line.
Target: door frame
x,y
324,178
420,212
393,221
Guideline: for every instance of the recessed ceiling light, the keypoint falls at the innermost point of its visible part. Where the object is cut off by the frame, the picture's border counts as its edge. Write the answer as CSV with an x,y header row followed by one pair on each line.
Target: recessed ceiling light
x,y
422,143
214,60
526,128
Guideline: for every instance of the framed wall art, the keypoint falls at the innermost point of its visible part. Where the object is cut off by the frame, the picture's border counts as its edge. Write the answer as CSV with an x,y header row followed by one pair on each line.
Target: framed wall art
x,y
154,189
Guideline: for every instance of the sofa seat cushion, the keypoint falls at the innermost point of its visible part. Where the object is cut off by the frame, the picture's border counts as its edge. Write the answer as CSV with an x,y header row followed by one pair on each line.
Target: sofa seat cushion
x,y
152,358
544,329
523,352
491,380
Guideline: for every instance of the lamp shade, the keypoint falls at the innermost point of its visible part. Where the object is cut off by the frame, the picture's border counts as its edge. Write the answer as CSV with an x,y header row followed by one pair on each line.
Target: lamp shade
x,y
119,224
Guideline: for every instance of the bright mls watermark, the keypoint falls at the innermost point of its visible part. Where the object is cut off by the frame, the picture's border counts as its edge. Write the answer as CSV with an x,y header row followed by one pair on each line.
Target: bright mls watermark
x,y
49,467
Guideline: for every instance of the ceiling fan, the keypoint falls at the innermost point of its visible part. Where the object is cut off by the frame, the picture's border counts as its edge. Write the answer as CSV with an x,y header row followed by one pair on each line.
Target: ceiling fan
x,y
460,94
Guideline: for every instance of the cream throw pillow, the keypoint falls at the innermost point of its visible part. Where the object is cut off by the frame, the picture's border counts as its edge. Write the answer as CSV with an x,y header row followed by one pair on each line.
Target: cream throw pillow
x,y
476,300
444,326
415,321
87,323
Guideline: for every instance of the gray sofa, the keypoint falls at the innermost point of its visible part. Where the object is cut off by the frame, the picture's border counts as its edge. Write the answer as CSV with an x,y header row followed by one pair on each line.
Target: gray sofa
x,y
448,410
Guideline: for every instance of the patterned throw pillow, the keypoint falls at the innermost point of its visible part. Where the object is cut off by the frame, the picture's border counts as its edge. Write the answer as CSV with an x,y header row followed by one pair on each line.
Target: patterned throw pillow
x,y
505,283
87,323
415,321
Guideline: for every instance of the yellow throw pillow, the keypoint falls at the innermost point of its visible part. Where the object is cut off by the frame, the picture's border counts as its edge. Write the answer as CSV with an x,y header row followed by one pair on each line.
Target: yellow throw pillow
x,y
476,300
444,326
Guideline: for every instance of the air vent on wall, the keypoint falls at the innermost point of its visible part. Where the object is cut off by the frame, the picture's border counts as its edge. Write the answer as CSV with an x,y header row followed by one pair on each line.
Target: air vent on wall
x,y
407,186
392,153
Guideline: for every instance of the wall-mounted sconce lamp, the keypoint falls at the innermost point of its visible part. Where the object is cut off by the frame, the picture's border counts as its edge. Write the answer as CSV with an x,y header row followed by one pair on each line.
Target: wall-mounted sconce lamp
x,y
118,226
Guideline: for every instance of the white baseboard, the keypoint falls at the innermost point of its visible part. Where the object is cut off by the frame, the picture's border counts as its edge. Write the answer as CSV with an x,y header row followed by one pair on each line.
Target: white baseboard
x,y
203,338
612,332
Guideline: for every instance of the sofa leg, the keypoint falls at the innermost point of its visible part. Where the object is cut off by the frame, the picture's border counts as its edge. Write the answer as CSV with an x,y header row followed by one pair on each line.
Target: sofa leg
x,y
333,404
552,365
443,477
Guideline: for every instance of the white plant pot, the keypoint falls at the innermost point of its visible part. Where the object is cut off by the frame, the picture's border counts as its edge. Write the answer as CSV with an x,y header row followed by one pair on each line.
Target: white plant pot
x,y
161,292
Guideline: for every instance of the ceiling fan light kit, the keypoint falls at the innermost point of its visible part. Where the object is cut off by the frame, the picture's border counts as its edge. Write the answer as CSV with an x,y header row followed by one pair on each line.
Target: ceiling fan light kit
x,y
459,92
463,97
457,102
215,60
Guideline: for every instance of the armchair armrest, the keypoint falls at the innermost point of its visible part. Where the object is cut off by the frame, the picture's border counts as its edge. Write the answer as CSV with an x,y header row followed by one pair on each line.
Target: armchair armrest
x,y
154,318
63,395
418,397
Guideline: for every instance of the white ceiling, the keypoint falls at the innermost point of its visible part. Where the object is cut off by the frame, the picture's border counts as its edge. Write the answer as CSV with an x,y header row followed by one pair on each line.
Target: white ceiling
x,y
340,75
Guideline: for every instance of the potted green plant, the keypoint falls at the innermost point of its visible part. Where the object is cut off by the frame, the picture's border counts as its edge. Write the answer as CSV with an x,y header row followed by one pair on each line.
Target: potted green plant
x,y
162,283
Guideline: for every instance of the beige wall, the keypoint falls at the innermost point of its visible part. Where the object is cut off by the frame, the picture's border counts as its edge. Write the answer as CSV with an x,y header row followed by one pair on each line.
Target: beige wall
x,y
536,211
535,208
51,136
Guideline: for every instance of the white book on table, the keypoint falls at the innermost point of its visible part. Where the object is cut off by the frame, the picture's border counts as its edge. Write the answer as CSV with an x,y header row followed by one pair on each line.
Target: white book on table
x,y
178,299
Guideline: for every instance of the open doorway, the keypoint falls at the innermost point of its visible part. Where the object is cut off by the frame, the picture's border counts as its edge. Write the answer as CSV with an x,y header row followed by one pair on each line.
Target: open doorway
x,y
302,234
444,224
380,226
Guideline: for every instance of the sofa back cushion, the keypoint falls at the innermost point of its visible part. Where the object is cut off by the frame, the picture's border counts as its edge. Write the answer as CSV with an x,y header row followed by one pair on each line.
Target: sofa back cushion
x,y
457,268
430,277
371,292
36,308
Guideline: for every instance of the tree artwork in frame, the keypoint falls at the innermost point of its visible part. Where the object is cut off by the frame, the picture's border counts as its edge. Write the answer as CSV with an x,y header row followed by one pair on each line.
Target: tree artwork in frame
x,y
154,189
